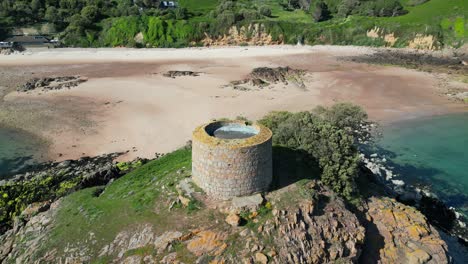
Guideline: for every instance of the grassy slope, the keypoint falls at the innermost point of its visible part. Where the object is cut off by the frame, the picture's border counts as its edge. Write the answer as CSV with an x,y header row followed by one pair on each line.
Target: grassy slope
x,y
126,202
143,196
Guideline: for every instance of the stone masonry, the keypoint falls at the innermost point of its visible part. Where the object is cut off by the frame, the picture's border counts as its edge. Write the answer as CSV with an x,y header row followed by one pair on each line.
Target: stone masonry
x,y
226,168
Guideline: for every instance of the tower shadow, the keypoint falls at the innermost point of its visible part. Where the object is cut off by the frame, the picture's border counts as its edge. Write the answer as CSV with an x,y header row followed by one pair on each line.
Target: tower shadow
x,y
291,165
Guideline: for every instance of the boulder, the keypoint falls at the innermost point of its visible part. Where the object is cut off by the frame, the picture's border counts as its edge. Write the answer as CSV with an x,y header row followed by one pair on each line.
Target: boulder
x,y
252,202
261,258
233,219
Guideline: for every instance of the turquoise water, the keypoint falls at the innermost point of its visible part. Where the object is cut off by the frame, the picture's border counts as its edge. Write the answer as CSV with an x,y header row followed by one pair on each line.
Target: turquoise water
x,y
18,149
432,152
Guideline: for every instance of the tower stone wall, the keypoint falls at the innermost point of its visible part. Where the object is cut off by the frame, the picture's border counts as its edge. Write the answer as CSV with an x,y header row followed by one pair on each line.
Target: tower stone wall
x,y
225,168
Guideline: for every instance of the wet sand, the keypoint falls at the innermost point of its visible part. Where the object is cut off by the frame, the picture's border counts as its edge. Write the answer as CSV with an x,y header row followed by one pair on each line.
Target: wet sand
x,y
127,104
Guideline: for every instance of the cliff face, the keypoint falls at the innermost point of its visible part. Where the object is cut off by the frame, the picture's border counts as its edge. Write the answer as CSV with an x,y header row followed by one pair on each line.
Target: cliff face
x,y
253,34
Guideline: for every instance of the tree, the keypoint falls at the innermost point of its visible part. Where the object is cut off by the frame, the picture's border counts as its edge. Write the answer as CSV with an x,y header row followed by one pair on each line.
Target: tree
x,y
321,12
346,116
35,5
332,147
265,11
89,14
51,14
347,7
181,13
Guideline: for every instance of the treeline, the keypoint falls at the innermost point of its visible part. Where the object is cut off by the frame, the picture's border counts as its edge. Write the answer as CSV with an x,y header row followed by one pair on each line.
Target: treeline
x,y
92,22
141,31
142,23
326,9
116,22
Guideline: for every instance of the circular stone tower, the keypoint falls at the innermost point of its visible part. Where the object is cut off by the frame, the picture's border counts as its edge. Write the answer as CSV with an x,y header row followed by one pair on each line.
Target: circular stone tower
x,y
231,158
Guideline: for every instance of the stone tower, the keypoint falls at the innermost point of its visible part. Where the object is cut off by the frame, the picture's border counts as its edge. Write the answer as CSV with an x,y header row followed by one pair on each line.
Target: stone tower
x,y
232,158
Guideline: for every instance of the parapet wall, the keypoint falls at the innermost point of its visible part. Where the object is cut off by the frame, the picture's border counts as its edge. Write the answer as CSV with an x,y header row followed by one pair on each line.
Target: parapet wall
x,y
225,168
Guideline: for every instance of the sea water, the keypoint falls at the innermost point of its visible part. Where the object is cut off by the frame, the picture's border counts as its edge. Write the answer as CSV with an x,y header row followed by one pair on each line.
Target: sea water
x,y
18,150
432,152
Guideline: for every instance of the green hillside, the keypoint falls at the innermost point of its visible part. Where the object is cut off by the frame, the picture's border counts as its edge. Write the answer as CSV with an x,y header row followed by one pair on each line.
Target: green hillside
x,y
397,23
129,200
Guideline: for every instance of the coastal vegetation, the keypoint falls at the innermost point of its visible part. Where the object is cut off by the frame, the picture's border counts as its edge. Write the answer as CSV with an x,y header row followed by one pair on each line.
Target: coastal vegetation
x,y
147,213
397,23
327,135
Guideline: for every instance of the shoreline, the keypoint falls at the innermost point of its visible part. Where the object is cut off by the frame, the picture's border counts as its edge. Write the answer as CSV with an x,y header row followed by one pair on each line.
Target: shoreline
x,y
62,56
130,105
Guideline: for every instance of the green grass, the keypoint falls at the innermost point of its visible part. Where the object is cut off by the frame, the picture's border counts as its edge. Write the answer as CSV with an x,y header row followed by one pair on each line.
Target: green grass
x,y
279,14
203,6
134,198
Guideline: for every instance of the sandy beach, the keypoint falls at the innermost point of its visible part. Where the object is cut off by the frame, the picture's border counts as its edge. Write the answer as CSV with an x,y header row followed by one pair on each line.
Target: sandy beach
x,y
127,103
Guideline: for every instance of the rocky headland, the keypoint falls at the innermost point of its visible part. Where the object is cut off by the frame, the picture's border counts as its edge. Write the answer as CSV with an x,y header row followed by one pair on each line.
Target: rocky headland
x,y
304,222
97,209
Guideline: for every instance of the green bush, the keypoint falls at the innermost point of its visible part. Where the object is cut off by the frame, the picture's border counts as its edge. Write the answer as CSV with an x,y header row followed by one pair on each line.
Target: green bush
x,y
327,135
120,32
265,11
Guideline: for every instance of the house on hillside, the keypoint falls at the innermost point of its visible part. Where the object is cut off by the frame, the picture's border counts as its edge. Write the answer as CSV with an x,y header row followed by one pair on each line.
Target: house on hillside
x,y
33,42
168,4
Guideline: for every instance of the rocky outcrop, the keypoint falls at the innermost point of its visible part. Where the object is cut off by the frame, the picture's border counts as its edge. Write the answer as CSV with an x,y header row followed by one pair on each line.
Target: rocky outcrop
x,y
45,183
207,242
51,83
174,74
141,236
89,167
275,75
449,62
253,34
310,234
300,223
264,76
397,233
21,242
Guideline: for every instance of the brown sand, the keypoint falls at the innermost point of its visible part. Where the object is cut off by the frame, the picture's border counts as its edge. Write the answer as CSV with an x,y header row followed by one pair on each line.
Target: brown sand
x,y
131,106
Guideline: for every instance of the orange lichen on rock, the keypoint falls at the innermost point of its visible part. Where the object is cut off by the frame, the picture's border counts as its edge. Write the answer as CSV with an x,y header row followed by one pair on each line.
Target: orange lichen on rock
x,y
263,135
406,234
207,242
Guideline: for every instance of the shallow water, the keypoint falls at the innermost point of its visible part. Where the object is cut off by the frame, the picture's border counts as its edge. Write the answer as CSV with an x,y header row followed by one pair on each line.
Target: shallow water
x,y
235,131
432,152
18,149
